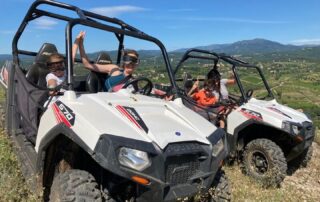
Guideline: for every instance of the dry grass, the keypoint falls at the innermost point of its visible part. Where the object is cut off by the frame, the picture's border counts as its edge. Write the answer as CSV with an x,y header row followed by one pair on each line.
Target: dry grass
x,y
12,185
245,189
317,137
303,185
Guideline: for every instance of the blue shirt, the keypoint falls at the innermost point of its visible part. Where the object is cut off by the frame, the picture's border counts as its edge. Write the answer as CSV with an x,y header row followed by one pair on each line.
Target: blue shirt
x,y
112,81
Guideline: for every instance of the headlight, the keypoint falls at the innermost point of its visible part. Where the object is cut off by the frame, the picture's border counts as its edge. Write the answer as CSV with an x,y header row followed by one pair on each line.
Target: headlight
x,y
295,129
133,158
286,126
218,147
291,128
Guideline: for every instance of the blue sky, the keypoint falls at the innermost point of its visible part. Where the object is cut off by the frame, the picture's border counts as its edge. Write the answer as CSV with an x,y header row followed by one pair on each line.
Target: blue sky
x,y
189,23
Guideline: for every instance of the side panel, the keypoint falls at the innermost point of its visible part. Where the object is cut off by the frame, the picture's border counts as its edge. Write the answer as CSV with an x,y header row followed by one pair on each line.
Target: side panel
x,y
235,119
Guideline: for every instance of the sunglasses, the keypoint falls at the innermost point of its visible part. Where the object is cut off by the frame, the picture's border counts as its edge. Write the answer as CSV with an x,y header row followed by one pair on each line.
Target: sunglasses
x,y
58,69
56,64
209,88
127,59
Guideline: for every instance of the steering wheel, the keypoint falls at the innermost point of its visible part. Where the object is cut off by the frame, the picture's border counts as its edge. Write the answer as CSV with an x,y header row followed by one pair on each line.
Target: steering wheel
x,y
249,93
145,90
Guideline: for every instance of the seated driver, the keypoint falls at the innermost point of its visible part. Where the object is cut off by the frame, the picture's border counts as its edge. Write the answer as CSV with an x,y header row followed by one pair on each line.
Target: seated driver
x,y
117,76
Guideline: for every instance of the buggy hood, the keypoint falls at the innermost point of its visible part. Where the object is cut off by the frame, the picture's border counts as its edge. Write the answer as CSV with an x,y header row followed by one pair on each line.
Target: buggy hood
x,y
136,117
274,113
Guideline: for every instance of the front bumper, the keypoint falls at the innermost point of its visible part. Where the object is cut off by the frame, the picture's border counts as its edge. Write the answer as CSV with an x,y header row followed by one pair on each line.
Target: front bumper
x,y
180,170
308,134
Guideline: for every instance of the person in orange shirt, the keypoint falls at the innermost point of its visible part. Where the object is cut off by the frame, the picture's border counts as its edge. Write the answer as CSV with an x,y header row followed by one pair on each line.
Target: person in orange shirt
x,y
205,97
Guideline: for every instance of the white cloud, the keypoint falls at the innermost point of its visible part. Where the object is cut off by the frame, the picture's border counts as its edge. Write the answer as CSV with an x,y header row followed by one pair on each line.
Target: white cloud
x,y
45,23
117,10
306,41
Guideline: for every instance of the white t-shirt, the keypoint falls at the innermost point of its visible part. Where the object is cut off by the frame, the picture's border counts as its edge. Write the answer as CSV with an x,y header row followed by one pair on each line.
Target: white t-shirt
x,y
59,80
223,90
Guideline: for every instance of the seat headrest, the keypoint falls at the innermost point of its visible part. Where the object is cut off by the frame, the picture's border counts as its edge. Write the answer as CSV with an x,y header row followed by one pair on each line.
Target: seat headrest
x,y
103,58
45,51
214,74
188,82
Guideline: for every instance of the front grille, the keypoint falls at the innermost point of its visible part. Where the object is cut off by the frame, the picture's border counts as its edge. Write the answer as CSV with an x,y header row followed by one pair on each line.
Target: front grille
x,y
179,169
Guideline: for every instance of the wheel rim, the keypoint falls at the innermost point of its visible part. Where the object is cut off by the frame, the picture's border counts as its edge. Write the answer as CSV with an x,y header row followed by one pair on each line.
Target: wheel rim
x,y
259,162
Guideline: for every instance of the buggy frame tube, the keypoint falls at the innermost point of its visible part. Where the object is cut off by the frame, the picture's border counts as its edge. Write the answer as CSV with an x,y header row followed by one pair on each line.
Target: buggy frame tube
x,y
121,32
236,63
33,13
86,20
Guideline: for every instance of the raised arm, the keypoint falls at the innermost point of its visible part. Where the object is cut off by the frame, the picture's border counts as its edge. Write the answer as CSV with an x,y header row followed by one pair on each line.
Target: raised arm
x,y
195,87
106,68
76,46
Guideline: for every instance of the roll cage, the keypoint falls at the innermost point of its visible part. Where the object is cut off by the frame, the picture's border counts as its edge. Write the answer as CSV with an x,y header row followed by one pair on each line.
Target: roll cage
x,y
216,57
86,18
75,16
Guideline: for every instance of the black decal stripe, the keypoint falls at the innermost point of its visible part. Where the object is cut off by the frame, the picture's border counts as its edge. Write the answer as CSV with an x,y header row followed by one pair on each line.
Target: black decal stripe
x,y
133,116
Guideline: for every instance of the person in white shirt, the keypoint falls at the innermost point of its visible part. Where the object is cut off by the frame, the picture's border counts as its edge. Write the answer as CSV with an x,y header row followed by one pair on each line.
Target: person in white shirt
x,y
56,65
221,91
223,86
57,75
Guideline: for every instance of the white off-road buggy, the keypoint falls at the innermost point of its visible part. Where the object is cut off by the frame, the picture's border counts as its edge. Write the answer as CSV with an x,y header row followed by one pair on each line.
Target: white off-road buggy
x,y
86,145
263,135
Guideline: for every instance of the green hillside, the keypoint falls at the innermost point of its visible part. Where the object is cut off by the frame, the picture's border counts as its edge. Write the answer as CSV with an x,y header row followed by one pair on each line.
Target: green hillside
x,y
293,72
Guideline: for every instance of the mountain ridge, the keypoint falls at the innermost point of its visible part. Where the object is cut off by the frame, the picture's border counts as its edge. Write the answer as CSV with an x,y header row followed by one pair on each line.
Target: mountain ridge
x,y
255,46
251,46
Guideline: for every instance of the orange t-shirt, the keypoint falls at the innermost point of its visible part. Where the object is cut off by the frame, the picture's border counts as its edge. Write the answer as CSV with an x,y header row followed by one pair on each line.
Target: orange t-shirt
x,y
203,99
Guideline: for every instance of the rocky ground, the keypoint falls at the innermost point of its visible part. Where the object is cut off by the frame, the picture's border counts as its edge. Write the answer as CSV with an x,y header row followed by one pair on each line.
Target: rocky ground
x,y
301,185
306,181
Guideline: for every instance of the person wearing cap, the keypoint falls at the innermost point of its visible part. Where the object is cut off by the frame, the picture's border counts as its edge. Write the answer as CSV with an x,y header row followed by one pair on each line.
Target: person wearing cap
x,y
117,76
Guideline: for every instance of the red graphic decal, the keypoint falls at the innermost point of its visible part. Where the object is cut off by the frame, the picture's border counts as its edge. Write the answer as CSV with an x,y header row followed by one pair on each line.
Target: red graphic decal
x,y
59,115
124,112
279,112
251,114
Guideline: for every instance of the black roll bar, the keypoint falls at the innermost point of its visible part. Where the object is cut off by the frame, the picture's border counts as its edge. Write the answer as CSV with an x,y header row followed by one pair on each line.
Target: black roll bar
x,y
88,19
235,62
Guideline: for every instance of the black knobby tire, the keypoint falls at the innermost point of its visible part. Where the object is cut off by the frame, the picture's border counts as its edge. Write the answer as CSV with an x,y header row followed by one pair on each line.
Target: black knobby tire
x,y
265,162
220,190
75,185
303,159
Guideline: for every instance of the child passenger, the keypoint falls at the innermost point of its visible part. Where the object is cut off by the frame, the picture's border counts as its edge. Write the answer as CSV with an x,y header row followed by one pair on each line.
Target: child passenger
x,y
205,97
57,75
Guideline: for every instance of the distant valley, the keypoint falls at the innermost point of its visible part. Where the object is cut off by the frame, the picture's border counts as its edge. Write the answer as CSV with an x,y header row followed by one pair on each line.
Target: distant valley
x,y
258,48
